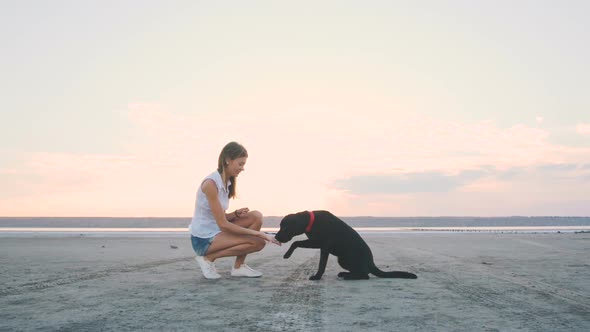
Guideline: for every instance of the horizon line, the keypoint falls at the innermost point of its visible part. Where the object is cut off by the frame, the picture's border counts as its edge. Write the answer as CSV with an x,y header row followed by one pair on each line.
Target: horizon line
x,y
340,216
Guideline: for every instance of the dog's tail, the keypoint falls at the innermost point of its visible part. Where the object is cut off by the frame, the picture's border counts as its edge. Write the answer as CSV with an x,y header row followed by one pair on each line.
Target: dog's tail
x,y
391,274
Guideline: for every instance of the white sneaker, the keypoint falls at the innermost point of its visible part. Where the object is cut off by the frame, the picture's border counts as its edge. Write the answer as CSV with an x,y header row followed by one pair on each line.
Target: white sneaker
x,y
208,268
245,271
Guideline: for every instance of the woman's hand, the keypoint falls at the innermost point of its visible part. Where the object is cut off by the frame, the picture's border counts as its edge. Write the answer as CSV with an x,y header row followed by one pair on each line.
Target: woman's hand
x,y
270,238
242,212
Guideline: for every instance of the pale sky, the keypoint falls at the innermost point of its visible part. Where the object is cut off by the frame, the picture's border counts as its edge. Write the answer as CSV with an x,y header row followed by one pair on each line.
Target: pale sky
x,y
381,108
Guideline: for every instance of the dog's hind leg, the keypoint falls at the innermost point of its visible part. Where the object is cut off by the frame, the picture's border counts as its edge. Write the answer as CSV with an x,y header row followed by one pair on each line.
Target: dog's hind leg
x,y
345,263
357,269
353,276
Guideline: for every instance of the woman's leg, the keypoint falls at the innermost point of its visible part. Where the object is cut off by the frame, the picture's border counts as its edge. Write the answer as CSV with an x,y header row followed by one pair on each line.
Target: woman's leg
x,y
252,221
227,244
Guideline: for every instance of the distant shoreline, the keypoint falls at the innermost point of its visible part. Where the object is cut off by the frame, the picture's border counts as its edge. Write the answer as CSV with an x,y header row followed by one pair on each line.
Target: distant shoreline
x,y
269,216
141,232
274,221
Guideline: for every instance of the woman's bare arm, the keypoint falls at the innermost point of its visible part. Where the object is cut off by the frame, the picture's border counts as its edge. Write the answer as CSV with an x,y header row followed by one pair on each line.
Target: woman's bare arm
x,y
210,190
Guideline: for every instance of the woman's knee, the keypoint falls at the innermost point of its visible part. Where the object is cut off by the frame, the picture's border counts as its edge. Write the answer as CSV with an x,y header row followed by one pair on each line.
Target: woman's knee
x,y
259,244
257,219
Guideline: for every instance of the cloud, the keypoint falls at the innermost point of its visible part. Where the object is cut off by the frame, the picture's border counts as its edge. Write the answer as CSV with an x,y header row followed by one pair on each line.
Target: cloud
x,y
430,181
544,189
301,156
483,178
558,167
583,129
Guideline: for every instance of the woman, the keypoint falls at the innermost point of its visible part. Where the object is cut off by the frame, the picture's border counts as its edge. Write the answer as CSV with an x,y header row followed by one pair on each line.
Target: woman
x,y
216,234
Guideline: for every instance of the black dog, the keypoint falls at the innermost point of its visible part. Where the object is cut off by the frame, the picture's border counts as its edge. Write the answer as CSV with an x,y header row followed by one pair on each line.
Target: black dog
x,y
333,236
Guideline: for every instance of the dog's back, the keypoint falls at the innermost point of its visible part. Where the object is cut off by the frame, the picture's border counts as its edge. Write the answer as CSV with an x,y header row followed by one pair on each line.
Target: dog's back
x,y
335,234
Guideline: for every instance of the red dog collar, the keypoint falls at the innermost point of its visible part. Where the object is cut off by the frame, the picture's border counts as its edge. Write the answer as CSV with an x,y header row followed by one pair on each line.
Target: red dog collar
x,y
311,220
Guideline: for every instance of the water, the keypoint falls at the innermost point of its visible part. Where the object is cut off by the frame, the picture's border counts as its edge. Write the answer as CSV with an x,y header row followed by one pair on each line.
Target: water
x,y
162,226
106,222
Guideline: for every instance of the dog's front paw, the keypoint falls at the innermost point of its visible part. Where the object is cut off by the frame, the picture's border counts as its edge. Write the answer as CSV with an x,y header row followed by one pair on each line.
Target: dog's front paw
x,y
315,277
287,254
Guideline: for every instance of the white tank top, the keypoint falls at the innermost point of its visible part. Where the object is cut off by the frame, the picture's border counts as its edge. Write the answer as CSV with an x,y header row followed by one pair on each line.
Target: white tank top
x,y
203,224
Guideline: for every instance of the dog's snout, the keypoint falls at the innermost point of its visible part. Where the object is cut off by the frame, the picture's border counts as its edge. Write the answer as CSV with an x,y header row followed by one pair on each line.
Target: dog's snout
x,y
281,238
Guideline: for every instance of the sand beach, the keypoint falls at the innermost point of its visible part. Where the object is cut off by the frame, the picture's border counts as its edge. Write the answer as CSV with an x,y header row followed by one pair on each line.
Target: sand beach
x,y
467,282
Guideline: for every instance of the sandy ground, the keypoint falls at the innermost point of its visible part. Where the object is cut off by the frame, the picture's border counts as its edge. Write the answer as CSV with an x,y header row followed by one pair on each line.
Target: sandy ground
x,y
467,282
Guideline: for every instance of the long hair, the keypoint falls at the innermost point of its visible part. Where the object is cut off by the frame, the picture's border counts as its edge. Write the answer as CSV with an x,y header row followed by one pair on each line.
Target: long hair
x,y
231,151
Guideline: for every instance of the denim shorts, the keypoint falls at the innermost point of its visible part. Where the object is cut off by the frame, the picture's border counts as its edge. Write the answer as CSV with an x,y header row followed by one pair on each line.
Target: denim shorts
x,y
201,245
